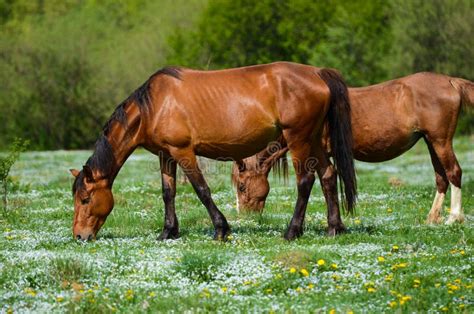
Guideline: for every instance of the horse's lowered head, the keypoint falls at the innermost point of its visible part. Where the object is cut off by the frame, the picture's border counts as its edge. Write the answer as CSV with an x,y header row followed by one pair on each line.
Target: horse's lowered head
x,y
250,177
93,202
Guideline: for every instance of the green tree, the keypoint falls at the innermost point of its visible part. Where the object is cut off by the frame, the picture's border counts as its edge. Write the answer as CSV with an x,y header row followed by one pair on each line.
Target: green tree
x,y
358,41
244,32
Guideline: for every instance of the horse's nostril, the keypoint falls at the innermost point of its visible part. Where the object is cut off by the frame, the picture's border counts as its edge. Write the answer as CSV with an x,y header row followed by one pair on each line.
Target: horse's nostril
x,y
89,237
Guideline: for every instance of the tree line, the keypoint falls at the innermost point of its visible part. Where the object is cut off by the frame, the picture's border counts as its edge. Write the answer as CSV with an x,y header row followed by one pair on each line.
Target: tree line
x,y
65,65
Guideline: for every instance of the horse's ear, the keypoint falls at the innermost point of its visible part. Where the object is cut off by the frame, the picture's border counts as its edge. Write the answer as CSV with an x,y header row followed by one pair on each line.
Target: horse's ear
x,y
74,172
241,165
270,161
88,173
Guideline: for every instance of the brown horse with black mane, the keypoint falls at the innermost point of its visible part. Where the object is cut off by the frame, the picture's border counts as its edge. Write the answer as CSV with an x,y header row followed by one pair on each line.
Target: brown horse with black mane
x,y
232,114
387,120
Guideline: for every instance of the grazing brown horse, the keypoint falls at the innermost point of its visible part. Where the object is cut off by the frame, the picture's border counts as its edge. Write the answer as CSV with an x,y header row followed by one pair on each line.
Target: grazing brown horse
x,y
387,120
227,114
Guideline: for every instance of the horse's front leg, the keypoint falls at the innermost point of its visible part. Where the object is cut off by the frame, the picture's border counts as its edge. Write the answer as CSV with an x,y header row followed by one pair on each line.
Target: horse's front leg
x,y
168,183
187,160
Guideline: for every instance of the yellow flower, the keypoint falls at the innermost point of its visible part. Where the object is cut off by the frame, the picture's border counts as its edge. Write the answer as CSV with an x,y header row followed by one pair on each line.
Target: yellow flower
x,y
230,237
332,311
336,277
371,290
393,304
389,277
321,262
205,293
292,270
457,280
334,266
389,210
151,294
59,298
304,272
406,298
269,290
448,209
444,309
437,285
381,259
350,312
417,281
129,294
395,248
357,221
30,292
278,276
462,306
224,289
299,289
462,252
310,286
248,282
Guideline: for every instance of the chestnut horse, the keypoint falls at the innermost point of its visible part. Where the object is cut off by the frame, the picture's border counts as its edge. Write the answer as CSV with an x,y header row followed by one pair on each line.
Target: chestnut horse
x,y
387,120
228,114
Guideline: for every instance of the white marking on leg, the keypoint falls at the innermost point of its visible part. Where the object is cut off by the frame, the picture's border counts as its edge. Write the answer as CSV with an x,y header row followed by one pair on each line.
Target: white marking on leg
x,y
237,201
456,214
434,215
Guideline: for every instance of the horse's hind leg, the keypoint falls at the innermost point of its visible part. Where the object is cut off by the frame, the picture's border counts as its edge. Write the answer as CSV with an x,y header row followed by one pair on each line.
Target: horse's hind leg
x,y
444,152
168,183
187,160
328,177
442,182
300,155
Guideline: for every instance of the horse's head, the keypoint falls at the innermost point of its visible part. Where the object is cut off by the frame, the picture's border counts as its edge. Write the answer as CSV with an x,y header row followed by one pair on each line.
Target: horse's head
x,y
252,187
93,202
250,177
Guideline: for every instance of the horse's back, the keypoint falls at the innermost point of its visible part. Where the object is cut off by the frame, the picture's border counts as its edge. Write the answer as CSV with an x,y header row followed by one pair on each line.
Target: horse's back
x,y
225,110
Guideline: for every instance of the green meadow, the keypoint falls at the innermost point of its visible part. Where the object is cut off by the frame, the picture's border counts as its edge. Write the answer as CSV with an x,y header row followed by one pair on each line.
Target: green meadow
x,y
389,261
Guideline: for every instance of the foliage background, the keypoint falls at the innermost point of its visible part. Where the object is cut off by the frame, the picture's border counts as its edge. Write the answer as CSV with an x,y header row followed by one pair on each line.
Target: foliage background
x,y
64,65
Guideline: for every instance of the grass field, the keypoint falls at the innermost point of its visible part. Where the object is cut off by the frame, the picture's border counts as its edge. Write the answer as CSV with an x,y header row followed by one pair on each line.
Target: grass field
x,y
389,261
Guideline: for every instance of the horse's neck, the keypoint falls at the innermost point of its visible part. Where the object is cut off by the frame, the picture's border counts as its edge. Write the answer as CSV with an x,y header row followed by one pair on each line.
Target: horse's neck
x,y
122,147
123,138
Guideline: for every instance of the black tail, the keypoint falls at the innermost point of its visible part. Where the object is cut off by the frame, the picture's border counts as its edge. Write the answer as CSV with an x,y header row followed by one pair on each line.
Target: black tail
x,y
340,135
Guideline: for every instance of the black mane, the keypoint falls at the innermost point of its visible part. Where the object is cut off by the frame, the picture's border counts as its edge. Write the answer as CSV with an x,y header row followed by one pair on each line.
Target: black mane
x,y
141,96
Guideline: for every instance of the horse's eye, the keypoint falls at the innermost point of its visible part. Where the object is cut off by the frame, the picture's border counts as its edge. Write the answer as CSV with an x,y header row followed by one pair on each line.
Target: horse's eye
x,y
242,187
85,201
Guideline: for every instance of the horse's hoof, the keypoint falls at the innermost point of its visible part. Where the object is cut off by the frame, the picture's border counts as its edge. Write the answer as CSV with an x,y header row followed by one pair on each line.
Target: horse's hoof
x,y
222,235
292,234
434,220
453,219
168,234
339,229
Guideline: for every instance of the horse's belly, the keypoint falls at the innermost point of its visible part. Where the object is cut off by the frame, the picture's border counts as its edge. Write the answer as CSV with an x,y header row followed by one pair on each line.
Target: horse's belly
x,y
384,147
229,144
